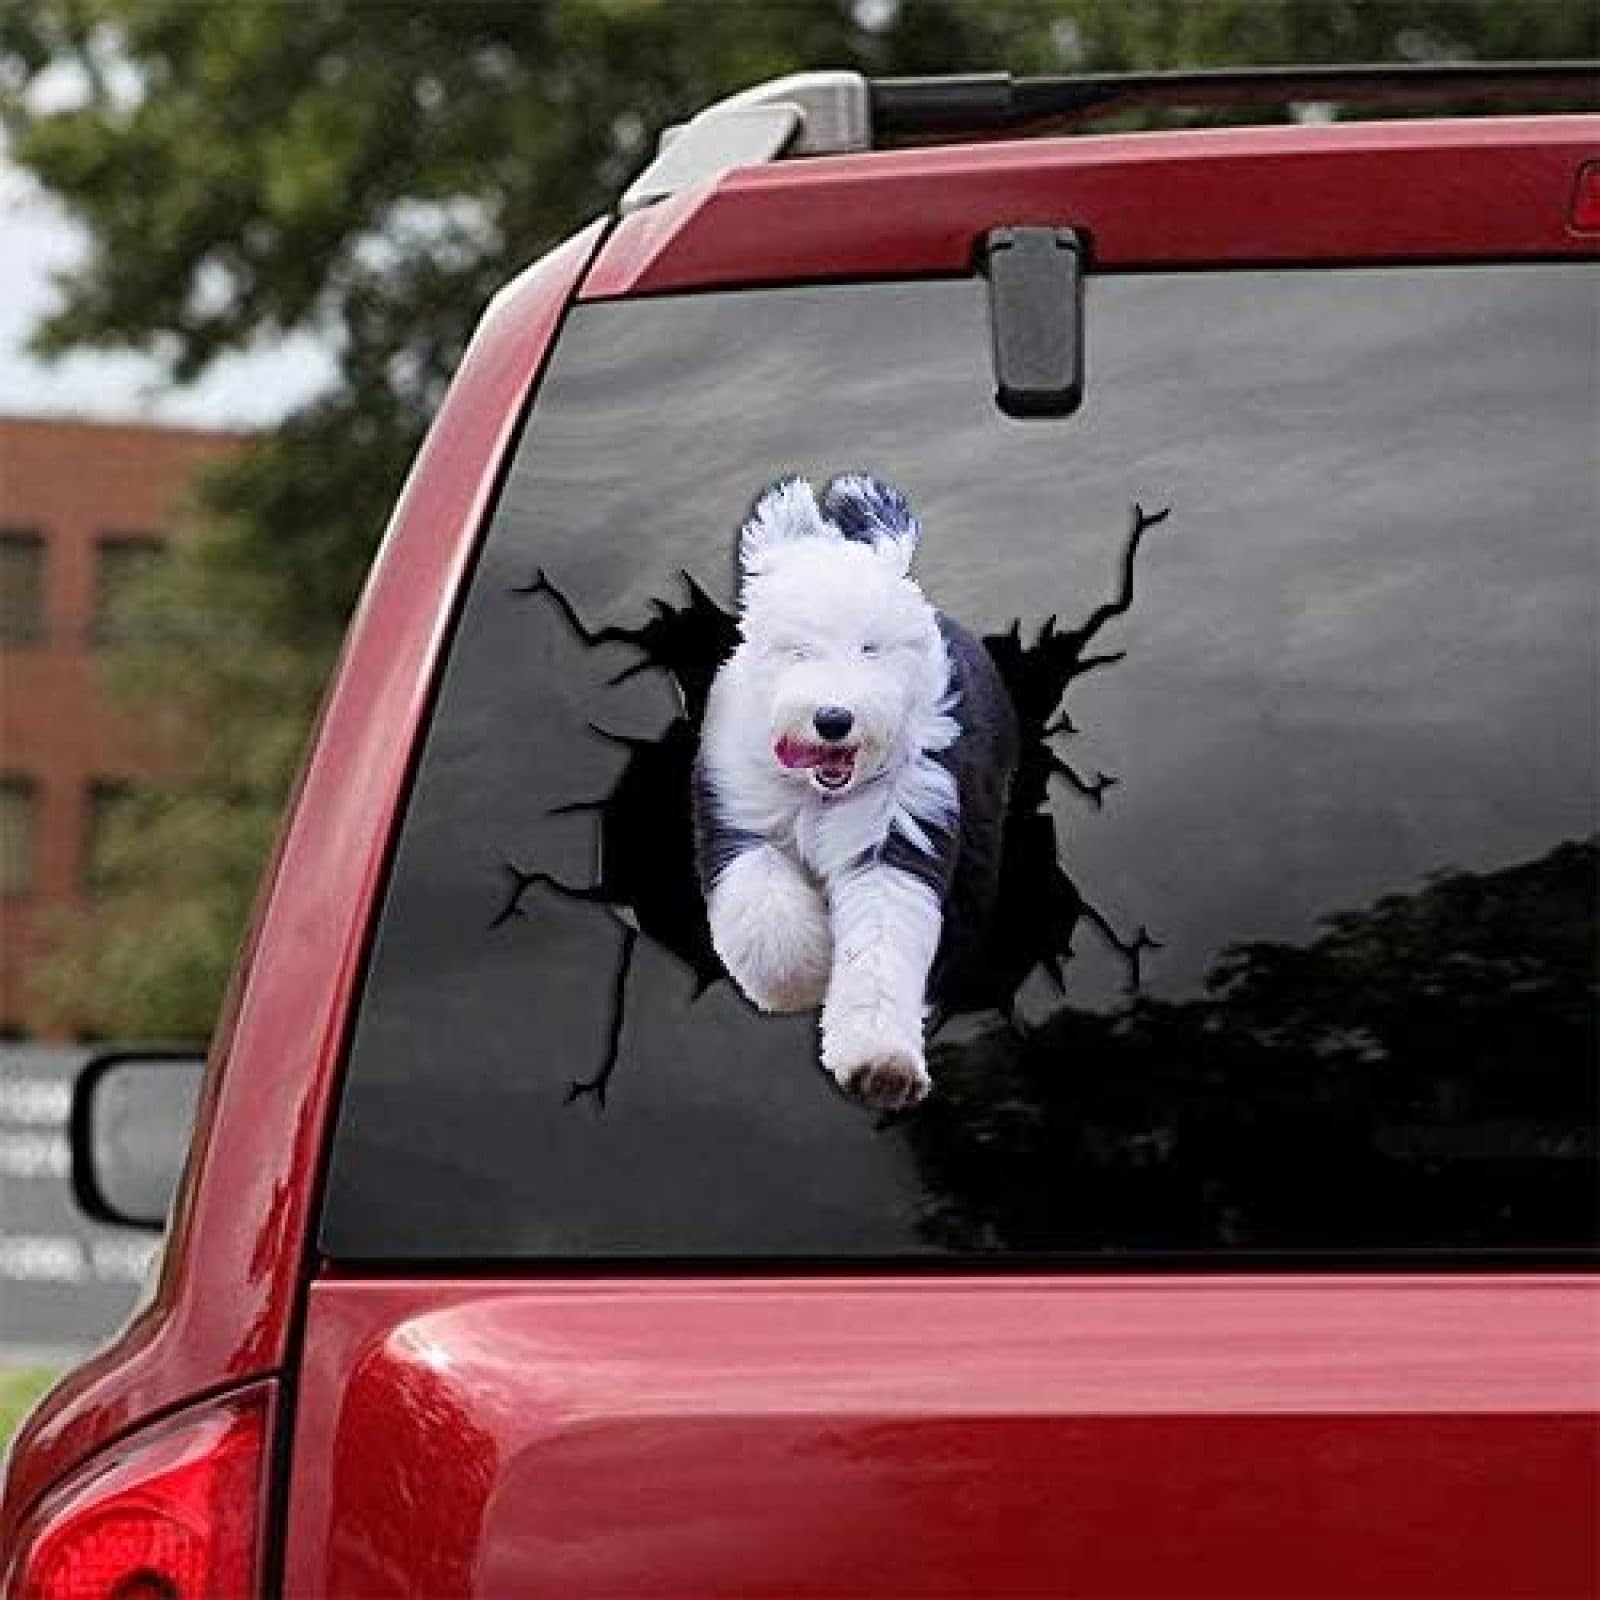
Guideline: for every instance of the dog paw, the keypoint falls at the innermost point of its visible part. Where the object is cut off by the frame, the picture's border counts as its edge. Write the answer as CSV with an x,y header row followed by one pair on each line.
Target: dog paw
x,y
769,927
886,1080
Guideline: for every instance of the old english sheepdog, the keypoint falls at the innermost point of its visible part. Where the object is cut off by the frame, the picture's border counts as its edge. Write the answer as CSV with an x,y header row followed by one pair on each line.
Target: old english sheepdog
x,y
851,781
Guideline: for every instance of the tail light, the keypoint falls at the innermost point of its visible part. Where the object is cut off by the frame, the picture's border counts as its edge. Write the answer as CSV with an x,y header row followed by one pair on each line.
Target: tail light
x,y
171,1513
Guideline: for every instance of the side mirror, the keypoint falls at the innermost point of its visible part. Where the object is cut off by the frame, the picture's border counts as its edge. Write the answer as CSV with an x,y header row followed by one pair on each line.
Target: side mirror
x,y
132,1116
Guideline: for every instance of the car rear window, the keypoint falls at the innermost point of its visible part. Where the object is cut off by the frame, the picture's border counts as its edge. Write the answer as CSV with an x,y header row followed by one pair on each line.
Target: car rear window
x,y
1303,938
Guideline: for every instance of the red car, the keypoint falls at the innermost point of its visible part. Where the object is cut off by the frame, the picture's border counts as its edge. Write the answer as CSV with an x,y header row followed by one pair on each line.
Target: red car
x,y
1244,1243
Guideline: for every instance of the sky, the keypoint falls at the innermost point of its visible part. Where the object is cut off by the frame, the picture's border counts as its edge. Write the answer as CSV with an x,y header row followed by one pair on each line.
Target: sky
x,y
38,240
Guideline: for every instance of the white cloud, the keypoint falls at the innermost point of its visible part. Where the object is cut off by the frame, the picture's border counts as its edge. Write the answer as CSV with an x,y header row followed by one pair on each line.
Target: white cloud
x,y
39,240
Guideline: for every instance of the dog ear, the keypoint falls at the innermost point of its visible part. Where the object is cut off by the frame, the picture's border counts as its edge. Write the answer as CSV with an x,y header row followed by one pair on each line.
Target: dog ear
x,y
785,512
870,511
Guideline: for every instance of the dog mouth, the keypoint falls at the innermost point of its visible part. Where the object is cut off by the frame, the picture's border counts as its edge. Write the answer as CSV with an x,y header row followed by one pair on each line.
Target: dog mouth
x,y
829,766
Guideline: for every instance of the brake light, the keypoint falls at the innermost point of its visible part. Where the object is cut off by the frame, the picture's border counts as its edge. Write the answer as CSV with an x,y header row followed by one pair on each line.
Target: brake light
x,y
173,1513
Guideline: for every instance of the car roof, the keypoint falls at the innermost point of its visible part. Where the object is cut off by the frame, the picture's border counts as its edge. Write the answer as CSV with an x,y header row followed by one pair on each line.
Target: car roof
x,y
840,112
1357,193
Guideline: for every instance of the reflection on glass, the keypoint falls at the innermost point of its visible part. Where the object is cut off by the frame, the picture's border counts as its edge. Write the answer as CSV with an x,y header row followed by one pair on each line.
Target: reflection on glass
x,y
1423,1069
1361,653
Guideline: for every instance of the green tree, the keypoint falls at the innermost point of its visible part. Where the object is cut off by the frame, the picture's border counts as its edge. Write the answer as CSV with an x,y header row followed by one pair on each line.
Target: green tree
x,y
374,172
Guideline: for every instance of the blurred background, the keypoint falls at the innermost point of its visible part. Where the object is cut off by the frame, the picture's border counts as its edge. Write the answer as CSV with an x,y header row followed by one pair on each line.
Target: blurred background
x,y
243,246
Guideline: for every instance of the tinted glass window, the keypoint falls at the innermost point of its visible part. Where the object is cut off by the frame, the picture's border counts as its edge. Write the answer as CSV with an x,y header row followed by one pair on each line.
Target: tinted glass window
x,y
22,619
110,818
19,824
123,565
1314,858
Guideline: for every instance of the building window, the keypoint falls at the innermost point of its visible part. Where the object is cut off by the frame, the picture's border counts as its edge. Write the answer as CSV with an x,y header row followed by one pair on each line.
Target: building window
x,y
19,835
105,835
123,564
21,586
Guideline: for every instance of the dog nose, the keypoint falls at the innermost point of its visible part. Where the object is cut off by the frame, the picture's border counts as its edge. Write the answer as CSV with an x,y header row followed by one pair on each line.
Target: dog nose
x,y
833,722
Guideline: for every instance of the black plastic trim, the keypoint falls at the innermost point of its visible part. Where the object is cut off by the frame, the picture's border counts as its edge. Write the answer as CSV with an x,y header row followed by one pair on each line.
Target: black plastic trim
x,y
995,102
1036,319
1076,1263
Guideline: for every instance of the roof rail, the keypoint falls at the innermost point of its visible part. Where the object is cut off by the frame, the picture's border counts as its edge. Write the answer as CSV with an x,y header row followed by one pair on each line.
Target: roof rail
x,y
807,113
831,113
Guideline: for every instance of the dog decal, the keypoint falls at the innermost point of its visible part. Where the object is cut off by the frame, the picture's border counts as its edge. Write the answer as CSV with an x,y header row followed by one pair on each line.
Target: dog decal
x,y
1007,905
851,782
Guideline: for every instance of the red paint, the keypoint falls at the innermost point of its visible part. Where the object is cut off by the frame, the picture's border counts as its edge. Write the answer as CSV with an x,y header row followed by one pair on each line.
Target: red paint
x,y
1357,192
1015,1436
237,1257
1586,199
1232,1436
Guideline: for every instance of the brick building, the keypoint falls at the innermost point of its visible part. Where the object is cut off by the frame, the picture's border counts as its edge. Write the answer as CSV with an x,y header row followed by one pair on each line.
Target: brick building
x,y
84,507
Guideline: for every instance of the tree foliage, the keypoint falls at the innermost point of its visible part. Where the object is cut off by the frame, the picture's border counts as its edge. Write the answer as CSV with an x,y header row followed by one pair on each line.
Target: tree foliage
x,y
372,172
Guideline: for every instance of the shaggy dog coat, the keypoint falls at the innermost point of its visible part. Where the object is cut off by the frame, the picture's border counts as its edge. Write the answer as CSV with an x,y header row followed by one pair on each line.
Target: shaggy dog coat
x,y
851,782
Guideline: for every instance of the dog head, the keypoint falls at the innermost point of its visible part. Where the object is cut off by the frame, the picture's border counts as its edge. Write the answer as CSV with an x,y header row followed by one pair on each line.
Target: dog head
x,y
845,661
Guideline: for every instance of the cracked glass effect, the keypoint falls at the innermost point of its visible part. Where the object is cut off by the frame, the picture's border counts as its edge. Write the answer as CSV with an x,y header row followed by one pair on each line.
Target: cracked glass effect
x,y
1327,733
655,891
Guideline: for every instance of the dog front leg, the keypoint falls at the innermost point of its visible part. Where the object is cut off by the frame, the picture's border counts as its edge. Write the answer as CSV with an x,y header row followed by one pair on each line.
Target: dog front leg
x,y
769,927
886,926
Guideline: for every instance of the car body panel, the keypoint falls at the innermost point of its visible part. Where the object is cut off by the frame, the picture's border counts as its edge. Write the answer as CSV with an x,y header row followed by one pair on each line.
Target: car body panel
x,y
1004,1435
1343,193
232,1276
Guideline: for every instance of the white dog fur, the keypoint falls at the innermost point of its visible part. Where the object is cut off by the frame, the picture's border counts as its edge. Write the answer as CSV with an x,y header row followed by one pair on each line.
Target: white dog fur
x,y
826,859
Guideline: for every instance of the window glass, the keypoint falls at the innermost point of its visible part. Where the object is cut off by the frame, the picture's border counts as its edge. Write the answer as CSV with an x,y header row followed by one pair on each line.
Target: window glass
x,y
19,823
1305,809
108,820
123,564
22,619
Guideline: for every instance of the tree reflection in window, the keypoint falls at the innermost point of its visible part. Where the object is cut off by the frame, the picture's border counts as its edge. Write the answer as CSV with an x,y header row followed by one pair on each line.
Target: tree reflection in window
x,y
1427,1063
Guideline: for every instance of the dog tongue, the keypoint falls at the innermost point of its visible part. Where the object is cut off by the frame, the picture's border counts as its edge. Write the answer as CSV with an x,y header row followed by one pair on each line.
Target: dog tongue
x,y
797,753
832,765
